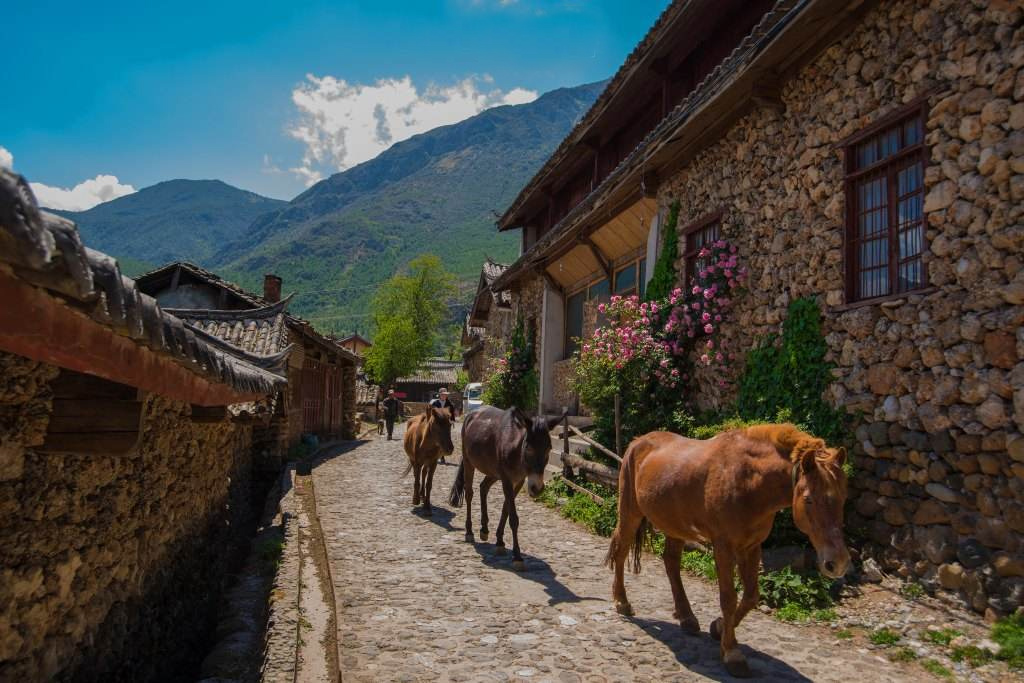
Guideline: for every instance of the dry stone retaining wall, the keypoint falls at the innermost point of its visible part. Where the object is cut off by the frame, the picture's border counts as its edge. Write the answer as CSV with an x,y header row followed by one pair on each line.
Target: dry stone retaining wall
x,y
936,377
112,567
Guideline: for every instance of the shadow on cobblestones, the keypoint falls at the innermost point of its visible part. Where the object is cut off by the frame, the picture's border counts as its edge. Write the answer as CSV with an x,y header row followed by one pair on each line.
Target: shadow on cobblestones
x,y
442,517
700,655
537,570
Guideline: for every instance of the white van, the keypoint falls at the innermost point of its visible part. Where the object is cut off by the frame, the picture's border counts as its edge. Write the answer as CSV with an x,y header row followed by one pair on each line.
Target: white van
x,y
472,396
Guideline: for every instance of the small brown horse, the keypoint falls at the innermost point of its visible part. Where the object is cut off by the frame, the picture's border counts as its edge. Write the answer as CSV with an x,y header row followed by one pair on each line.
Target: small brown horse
x,y
504,445
428,437
727,490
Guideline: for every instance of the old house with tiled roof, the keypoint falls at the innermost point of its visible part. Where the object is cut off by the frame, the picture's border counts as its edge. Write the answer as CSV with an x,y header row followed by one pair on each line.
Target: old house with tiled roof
x,y
488,323
356,343
321,396
125,476
432,374
868,155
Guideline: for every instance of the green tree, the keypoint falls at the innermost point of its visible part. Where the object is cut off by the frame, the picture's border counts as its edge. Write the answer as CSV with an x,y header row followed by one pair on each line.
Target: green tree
x,y
663,278
408,312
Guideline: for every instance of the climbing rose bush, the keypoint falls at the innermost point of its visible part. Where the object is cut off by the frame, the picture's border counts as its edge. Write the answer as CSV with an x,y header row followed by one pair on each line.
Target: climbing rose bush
x,y
646,350
512,380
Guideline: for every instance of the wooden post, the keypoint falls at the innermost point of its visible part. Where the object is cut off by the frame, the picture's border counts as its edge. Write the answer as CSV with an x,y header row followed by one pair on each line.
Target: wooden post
x,y
566,470
618,425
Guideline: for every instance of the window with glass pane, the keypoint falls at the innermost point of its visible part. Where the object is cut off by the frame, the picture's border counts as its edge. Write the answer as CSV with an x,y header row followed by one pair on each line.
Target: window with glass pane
x,y
600,290
574,321
642,278
696,240
885,195
625,280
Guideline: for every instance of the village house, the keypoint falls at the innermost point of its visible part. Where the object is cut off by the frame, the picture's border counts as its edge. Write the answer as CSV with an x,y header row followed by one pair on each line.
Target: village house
x,y
321,396
488,323
126,461
355,343
868,155
423,385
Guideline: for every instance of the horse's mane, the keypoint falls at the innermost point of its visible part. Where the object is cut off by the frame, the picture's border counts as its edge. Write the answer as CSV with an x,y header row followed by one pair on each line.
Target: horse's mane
x,y
787,439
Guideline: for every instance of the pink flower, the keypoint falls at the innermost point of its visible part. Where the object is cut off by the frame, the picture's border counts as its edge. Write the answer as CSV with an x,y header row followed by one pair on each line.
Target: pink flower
x,y
705,316
704,359
601,308
695,290
709,328
718,318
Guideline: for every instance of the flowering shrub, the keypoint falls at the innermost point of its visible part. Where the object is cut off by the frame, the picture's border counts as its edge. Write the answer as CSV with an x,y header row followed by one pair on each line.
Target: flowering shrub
x,y
646,350
512,380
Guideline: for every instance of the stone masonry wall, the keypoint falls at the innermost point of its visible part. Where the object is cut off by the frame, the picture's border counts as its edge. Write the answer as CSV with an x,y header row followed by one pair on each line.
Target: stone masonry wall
x,y
112,566
936,376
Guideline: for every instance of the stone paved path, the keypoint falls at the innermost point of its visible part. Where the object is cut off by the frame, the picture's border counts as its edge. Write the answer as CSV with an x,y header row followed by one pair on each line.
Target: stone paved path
x,y
418,603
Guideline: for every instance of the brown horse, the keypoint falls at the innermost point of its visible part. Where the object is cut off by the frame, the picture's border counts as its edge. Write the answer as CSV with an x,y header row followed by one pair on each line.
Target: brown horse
x,y
504,445
428,437
727,490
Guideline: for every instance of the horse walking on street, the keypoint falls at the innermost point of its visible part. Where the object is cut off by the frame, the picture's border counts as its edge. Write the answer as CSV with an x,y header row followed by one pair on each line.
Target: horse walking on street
x,y
506,446
726,491
428,437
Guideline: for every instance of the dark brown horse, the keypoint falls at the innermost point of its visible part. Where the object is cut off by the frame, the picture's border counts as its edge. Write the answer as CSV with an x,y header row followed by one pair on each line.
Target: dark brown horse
x,y
726,491
428,437
505,445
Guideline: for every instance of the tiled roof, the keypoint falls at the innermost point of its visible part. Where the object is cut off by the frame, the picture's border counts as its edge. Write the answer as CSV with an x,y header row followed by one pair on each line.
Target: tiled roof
x,y
615,84
433,371
259,331
46,251
296,323
720,78
490,272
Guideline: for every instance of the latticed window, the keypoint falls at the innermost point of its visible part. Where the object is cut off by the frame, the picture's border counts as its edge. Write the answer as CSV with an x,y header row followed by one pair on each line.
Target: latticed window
x,y
699,235
885,199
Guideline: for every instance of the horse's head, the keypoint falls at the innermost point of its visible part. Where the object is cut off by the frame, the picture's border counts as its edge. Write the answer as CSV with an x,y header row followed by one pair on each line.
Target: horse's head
x,y
439,427
819,493
536,446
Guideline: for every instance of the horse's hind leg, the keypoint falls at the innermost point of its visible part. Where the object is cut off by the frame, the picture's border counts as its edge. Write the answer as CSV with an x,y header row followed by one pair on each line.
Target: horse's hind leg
x,y
623,539
468,488
513,521
499,540
416,471
485,487
684,613
428,485
724,628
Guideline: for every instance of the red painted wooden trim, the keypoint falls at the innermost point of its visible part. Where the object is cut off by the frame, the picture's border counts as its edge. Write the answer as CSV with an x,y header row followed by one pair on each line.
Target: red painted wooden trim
x,y
35,325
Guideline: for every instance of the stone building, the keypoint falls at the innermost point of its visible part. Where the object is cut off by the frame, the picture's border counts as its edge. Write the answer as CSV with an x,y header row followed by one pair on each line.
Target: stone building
x,y
124,476
868,155
488,324
321,396
423,385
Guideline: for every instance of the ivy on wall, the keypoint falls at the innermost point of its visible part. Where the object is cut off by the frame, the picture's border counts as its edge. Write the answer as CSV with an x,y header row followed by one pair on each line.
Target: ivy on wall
x,y
788,374
663,278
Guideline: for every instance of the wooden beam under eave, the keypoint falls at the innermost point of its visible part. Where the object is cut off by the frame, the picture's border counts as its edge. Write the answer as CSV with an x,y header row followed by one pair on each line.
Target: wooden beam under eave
x,y
35,325
606,266
551,282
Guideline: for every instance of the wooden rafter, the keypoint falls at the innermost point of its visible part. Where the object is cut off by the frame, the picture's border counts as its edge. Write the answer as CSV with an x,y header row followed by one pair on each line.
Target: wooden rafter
x,y
606,266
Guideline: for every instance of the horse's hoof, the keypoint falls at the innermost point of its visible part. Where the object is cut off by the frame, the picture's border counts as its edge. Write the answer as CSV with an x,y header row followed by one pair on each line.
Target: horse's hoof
x,y
690,626
428,511
736,664
415,501
500,550
483,534
716,629
519,565
624,608
469,537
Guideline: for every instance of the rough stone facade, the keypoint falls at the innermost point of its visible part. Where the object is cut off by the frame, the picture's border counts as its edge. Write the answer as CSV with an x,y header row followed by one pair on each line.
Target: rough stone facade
x,y
936,376
112,566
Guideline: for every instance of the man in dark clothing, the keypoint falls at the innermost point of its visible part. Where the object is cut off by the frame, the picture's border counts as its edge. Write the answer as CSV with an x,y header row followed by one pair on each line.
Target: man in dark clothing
x,y
442,401
392,409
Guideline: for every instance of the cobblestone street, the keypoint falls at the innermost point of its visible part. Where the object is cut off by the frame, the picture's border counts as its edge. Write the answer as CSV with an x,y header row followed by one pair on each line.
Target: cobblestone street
x,y
418,603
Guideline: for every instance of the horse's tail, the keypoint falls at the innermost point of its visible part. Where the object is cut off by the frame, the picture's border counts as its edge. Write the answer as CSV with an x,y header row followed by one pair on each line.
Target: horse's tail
x,y
622,544
459,487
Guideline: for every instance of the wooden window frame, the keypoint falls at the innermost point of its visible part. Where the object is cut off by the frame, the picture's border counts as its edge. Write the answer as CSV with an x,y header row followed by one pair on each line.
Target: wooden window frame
x,y
690,254
891,166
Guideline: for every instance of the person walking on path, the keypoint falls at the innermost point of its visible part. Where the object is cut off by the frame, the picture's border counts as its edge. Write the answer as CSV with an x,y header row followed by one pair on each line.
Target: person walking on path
x,y
442,401
392,409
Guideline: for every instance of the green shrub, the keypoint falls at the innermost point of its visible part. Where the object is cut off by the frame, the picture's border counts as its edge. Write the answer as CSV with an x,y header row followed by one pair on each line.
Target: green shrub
x,y
809,591
942,637
884,636
971,654
663,277
934,667
844,634
513,381
902,654
1009,633
700,564
912,590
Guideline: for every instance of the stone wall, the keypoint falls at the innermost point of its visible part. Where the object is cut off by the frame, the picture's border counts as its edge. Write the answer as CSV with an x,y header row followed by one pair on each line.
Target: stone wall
x,y
112,565
936,376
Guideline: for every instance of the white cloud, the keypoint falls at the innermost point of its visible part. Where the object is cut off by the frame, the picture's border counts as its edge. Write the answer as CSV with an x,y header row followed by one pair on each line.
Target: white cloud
x,y
343,124
82,196
6,158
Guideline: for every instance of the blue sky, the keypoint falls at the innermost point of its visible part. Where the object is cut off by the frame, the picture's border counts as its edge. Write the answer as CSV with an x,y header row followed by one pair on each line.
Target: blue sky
x,y
269,96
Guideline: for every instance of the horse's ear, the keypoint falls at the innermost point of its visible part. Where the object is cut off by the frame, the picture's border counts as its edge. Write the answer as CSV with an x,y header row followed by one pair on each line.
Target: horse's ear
x,y
427,410
519,417
841,456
